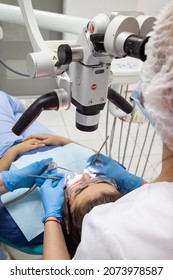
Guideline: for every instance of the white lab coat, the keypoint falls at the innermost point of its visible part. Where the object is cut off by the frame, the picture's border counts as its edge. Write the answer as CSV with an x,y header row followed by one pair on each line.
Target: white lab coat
x,y
137,226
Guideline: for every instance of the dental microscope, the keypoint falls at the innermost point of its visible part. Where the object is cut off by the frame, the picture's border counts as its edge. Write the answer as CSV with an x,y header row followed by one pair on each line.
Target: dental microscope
x,y
83,71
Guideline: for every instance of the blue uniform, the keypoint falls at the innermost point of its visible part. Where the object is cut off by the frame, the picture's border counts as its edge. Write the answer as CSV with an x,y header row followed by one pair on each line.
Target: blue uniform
x,y
10,111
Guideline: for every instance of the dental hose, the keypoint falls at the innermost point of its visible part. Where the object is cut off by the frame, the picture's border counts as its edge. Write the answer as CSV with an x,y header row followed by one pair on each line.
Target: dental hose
x,y
51,166
19,197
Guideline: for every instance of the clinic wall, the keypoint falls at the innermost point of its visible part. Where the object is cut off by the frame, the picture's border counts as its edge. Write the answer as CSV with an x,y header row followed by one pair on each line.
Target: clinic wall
x,y
14,47
15,43
90,8
151,7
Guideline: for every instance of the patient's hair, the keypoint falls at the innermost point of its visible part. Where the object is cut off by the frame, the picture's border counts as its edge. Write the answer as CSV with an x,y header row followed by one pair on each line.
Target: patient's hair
x,y
74,219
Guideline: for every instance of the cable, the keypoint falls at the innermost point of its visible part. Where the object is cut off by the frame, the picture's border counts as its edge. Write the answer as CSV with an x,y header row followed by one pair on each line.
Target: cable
x,y
11,69
19,197
106,130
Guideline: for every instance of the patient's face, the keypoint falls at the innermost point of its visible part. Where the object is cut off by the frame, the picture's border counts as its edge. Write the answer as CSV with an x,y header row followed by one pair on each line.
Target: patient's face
x,y
84,188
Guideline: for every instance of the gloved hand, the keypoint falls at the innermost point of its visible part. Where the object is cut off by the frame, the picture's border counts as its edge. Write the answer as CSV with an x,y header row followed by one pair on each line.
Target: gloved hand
x,y
39,181
53,198
114,170
15,179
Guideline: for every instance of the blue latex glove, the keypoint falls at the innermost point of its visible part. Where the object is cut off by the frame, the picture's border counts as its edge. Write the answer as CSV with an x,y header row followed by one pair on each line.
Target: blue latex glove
x,y
15,179
39,181
112,169
53,198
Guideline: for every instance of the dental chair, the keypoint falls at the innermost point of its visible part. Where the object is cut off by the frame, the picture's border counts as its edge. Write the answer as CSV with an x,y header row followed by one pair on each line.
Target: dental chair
x,y
22,252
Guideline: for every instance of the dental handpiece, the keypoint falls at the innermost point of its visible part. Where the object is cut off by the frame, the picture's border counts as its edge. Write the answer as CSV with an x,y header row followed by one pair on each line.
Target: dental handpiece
x,y
54,165
45,177
96,156
51,166
66,169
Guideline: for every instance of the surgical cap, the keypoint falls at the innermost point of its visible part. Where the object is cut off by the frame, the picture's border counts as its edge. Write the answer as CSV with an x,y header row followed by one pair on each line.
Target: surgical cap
x,y
157,75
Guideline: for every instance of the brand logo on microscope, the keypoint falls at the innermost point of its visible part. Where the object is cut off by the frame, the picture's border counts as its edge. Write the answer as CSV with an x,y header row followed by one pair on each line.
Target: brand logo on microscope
x,y
94,86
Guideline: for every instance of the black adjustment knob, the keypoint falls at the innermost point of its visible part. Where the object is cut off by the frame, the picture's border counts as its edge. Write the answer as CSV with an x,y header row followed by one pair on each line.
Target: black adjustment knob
x,y
97,38
64,53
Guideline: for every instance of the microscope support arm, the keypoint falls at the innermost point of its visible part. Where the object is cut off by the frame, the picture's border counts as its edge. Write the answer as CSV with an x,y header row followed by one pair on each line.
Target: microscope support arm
x,y
36,39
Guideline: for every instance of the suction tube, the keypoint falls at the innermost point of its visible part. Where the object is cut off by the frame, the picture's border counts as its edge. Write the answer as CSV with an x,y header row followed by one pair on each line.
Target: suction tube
x,y
55,100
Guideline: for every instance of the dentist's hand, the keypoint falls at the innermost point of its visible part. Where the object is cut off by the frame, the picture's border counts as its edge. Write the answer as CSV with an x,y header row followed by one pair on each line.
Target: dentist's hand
x,y
112,169
15,179
39,181
52,195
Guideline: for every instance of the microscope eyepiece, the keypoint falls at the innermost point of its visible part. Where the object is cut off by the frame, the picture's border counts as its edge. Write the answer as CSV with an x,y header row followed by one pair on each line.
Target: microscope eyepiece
x,y
134,46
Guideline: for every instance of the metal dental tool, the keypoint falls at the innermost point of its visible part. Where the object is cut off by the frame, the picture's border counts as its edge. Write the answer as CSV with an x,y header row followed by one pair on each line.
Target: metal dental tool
x,y
96,156
51,166
44,177
54,165
63,168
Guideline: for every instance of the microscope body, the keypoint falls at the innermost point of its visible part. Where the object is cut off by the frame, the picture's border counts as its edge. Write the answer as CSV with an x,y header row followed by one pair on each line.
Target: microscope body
x,y
90,84
82,71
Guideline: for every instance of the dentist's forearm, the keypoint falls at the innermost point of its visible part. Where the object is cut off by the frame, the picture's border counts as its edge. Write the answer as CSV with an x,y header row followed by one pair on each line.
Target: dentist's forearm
x,y
54,243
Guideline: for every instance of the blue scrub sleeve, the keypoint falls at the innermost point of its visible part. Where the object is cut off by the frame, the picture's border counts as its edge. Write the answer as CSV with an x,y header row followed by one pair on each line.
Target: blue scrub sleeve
x,y
11,110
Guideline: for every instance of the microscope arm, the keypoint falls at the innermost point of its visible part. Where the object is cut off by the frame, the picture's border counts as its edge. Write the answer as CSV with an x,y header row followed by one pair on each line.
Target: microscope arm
x,y
41,63
36,39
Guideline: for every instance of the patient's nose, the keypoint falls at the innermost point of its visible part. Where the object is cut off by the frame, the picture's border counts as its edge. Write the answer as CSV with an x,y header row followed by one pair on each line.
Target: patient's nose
x,y
85,177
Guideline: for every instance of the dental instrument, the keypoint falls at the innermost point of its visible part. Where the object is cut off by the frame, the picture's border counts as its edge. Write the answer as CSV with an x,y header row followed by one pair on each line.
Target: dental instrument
x,y
50,167
96,156
66,169
54,165
44,177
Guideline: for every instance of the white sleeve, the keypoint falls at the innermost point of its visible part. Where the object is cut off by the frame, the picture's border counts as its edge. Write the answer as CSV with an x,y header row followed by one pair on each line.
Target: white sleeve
x,y
96,237
131,227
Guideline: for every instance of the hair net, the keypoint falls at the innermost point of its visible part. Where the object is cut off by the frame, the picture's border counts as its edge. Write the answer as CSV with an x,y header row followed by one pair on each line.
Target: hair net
x,y
157,75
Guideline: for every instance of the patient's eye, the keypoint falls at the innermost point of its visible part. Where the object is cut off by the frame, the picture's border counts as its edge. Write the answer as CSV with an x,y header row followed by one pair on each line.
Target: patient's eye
x,y
79,190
